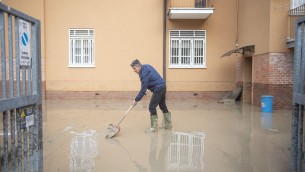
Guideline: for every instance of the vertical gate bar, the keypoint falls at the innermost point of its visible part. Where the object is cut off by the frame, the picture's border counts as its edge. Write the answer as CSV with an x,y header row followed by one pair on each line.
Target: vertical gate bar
x,y
38,66
17,56
3,78
35,129
11,76
1,50
294,137
5,139
301,117
10,50
32,142
25,150
302,68
29,69
300,139
19,139
297,59
23,70
13,147
18,123
296,86
34,59
38,88
31,66
40,138
3,54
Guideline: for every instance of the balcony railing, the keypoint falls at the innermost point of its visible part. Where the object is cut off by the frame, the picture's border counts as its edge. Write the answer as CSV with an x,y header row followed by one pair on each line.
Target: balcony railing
x,y
293,15
190,4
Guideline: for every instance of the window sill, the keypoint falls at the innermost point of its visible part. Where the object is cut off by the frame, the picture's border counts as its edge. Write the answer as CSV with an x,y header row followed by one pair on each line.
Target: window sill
x,y
187,67
81,66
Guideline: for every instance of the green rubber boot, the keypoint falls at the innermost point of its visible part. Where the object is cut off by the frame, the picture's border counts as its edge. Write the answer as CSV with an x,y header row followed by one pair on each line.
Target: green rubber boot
x,y
154,124
167,121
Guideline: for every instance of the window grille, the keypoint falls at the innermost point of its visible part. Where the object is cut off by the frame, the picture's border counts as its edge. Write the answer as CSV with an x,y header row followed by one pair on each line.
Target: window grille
x,y
81,48
200,3
187,49
186,151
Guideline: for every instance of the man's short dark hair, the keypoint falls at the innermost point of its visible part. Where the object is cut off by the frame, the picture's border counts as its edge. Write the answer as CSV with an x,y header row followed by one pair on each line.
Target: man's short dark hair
x,y
135,62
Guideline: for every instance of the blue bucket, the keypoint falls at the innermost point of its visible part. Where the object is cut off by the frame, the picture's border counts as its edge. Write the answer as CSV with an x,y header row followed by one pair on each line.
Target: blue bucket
x,y
267,103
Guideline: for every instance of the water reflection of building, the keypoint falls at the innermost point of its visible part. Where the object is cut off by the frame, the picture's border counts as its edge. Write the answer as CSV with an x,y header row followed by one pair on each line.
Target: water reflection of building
x,y
186,151
83,150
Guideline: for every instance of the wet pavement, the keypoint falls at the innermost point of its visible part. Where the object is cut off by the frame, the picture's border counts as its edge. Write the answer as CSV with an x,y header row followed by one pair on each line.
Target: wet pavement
x,y
206,136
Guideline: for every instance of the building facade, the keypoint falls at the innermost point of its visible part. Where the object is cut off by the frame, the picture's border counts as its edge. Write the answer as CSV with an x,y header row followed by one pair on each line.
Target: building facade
x,y
87,47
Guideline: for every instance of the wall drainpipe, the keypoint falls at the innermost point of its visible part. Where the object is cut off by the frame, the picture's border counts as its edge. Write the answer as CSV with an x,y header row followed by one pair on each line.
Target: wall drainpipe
x,y
164,40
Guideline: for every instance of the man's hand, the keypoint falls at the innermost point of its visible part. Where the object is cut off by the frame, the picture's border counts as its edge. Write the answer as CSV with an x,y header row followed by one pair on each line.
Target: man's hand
x,y
134,103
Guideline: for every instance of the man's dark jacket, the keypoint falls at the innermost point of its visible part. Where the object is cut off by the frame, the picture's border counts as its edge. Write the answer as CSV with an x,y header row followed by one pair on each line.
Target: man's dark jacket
x,y
150,79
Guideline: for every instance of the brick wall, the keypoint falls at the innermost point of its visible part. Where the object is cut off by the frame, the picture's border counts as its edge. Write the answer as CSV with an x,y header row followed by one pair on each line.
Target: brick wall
x,y
273,75
205,95
239,70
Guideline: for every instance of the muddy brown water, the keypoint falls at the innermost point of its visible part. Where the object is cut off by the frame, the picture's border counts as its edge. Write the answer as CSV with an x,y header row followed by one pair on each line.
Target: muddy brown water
x,y
206,136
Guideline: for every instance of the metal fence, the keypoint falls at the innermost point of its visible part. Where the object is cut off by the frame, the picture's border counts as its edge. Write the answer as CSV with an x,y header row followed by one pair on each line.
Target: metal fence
x,y
297,157
294,14
190,3
20,95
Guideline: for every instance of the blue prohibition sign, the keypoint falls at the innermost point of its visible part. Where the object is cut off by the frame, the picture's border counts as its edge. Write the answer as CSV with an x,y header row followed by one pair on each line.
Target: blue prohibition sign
x,y
24,39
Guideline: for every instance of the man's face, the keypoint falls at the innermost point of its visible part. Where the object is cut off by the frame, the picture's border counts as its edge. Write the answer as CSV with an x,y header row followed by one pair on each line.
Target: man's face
x,y
136,68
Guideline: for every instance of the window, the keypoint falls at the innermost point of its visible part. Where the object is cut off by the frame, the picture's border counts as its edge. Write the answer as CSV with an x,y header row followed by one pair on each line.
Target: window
x,y
187,49
81,48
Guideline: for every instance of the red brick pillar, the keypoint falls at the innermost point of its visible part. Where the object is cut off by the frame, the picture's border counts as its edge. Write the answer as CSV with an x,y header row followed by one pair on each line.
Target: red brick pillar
x,y
273,75
239,71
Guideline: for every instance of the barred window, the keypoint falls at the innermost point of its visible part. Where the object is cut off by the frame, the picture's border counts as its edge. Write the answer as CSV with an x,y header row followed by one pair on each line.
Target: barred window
x,y
81,48
187,49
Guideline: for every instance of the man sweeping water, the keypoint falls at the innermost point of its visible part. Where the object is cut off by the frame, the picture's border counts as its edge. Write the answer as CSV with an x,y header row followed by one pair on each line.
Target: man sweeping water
x,y
151,80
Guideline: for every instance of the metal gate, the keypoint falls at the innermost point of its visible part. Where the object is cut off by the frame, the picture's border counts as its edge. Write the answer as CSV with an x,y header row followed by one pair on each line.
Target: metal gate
x,y
297,158
20,94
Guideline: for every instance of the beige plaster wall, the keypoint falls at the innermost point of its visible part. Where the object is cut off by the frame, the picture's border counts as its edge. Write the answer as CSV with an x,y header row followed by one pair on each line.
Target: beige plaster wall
x,y
254,24
263,23
129,29
279,25
124,30
220,74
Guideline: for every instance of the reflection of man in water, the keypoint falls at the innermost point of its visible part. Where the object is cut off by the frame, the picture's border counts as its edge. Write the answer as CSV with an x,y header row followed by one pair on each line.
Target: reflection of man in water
x,y
157,163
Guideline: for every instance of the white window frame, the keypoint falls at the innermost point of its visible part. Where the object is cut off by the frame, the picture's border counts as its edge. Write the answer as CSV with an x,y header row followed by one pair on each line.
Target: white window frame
x,y
187,57
81,48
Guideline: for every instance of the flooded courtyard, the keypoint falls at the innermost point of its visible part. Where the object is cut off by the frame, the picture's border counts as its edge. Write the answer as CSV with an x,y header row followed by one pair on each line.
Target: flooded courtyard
x,y
206,136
